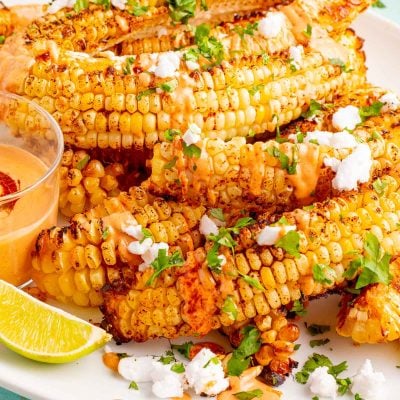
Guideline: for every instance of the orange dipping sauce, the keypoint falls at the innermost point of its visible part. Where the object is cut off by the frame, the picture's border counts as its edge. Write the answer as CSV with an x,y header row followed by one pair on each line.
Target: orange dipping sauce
x,y
22,221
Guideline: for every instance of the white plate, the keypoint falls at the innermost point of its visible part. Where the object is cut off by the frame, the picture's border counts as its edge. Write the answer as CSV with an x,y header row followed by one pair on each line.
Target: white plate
x,y
89,379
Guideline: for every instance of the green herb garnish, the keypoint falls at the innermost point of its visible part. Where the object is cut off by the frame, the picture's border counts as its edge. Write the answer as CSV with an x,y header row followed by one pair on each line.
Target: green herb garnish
x,y
146,92
313,110
318,342
179,368
82,162
163,262
169,134
2,39
183,348
315,329
181,10
320,273
170,164
290,243
81,5
127,69
136,9
133,385
371,111
378,4
105,233
230,308
341,64
249,395
191,150
308,31
218,214
298,308
380,186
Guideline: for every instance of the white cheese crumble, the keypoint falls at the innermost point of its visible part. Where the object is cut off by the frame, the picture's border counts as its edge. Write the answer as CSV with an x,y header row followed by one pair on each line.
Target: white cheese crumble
x,y
346,118
140,248
119,4
332,163
338,140
391,102
167,65
135,231
271,25
57,5
367,383
151,254
192,65
322,384
296,54
192,135
206,374
166,383
208,226
136,369
354,169
269,235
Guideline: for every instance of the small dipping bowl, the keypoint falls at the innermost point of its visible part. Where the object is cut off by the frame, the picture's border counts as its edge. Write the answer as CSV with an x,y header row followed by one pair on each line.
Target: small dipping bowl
x,y
31,146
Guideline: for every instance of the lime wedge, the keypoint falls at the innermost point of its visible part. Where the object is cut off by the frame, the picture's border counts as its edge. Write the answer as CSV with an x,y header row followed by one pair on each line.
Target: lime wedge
x,y
42,332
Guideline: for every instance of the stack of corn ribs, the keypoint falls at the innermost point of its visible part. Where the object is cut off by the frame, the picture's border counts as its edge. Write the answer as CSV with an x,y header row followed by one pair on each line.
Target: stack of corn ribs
x,y
201,174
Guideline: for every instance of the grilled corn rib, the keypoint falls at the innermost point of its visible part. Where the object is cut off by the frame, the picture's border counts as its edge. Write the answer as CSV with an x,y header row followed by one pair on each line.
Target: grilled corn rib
x,y
373,315
98,105
236,174
73,263
190,300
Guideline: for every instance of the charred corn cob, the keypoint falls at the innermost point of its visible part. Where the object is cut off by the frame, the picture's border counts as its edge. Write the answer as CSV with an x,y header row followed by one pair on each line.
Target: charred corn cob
x,y
86,182
114,103
236,174
373,315
72,264
193,299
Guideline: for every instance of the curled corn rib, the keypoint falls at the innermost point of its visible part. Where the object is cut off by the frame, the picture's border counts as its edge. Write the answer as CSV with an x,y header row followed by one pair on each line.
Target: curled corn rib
x,y
190,300
373,316
72,264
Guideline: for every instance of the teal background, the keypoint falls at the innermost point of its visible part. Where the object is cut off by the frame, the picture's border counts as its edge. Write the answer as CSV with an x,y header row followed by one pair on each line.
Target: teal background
x,y
392,11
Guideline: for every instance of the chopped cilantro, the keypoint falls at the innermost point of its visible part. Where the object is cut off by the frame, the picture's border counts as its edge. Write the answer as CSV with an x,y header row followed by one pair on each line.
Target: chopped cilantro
x,y
133,385
81,5
378,4
249,345
179,368
136,9
315,329
170,164
213,360
318,342
146,234
127,69
183,348
379,186
218,214
283,221
122,355
315,398
249,395
168,358
105,233
319,273
169,87
249,29
374,264
2,39
253,282
163,262
105,3
230,308
146,92
371,111
308,31
343,385
340,63
284,160
298,308
171,133
313,110
82,162
290,243
308,208
357,396
203,5
252,133
300,137
255,89
265,59
292,65
191,150
181,10
296,346
191,55
208,46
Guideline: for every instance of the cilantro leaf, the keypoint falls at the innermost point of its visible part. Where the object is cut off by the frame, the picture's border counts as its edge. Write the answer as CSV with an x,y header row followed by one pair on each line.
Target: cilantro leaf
x,y
171,133
163,262
249,29
81,5
290,243
253,282
340,63
212,360
242,223
308,31
379,186
249,395
169,87
133,385
378,4
230,308
2,39
127,69
213,261
183,348
203,5
318,342
218,214
249,345
170,164
146,92
283,159
105,3
319,273
83,162
181,10
313,110
136,9
191,150
179,368
315,329
168,358
371,111
208,46
298,308
105,233
343,385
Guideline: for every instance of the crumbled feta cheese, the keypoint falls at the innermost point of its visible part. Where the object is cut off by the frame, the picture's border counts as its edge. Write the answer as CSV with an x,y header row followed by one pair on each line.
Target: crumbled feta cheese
x,y
332,163
322,384
135,231
57,5
168,388
346,118
391,102
338,140
192,135
354,169
162,32
140,248
205,375
136,369
367,383
119,4
208,226
271,25
167,65
152,253
269,235
192,65
296,54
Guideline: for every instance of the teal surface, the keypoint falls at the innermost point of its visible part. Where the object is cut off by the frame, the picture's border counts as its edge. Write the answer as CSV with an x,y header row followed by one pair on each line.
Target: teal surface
x,y
391,11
